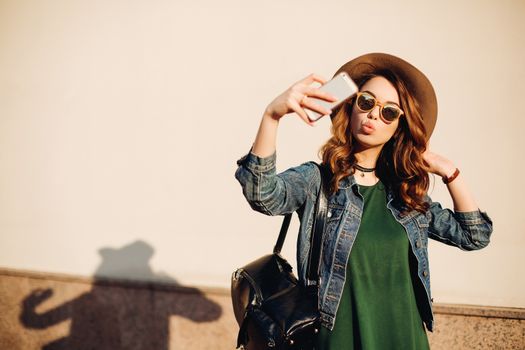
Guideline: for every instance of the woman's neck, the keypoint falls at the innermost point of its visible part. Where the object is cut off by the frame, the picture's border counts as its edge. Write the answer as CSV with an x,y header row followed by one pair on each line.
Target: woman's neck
x,y
367,157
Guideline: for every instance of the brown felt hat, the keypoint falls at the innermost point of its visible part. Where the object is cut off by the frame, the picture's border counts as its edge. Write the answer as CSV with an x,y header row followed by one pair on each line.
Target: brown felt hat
x,y
416,82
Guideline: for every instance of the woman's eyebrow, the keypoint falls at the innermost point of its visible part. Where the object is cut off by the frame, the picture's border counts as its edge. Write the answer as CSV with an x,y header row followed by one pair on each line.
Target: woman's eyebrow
x,y
371,93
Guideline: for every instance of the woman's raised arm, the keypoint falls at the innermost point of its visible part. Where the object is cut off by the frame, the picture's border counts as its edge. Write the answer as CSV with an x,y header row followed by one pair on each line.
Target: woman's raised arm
x,y
283,193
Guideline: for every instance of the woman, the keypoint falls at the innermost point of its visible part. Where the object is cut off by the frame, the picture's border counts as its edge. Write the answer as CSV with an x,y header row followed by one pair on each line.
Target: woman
x,y
374,282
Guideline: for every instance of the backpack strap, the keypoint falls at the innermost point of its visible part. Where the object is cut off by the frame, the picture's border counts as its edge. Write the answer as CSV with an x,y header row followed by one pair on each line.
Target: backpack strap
x,y
321,208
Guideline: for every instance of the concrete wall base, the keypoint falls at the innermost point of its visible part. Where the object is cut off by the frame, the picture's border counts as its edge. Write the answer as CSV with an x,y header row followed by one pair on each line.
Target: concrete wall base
x,y
54,311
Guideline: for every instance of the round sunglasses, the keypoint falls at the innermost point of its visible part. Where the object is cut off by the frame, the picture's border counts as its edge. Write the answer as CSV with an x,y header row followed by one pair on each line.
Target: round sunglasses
x,y
389,111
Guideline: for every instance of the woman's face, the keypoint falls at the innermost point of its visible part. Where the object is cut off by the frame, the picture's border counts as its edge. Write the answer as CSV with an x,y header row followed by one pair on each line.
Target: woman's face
x,y
381,132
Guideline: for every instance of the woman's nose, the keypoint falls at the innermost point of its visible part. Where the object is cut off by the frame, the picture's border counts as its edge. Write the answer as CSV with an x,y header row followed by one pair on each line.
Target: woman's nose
x,y
374,113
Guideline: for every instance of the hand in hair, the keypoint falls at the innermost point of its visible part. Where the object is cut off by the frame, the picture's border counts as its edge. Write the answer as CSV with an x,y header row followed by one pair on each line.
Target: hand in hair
x,y
437,163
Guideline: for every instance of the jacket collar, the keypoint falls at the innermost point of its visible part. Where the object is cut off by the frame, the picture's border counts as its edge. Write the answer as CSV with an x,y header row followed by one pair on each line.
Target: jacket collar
x,y
349,182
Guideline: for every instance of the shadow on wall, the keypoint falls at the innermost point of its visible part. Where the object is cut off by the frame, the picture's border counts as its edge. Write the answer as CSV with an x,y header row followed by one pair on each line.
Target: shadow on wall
x,y
113,316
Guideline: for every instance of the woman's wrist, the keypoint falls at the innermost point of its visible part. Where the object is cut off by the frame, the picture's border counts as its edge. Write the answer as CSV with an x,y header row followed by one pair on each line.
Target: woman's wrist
x,y
450,175
270,115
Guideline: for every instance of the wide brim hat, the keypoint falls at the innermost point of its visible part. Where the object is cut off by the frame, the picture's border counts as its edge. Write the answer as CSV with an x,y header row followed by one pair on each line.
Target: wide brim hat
x,y
416,82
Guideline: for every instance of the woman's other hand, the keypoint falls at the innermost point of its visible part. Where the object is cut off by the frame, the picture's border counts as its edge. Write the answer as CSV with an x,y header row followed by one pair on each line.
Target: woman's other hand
x,y
438,164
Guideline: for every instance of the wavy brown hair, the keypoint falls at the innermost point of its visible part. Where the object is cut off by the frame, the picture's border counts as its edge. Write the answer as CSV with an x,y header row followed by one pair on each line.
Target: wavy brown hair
x,y
400,164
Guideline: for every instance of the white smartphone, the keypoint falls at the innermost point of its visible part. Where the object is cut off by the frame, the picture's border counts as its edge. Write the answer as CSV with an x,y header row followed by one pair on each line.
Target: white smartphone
x,y
341,86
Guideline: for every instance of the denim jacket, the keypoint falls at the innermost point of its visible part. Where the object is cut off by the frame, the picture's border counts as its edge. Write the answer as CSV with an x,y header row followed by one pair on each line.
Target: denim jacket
x,y
296,188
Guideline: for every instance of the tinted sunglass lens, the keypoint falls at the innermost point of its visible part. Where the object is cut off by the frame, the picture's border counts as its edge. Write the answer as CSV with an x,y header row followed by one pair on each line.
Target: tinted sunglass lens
x,y
390,113
366,102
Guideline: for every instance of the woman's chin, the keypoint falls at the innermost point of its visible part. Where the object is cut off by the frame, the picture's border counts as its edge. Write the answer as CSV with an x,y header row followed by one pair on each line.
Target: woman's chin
x,y
367,140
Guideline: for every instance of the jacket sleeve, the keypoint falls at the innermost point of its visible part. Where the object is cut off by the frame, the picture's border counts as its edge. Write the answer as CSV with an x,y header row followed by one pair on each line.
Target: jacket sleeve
x,y
469,230
271,193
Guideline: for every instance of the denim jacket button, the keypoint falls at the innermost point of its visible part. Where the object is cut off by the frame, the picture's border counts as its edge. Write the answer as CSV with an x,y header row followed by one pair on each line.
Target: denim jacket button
x,y
425,273
329,214
418,244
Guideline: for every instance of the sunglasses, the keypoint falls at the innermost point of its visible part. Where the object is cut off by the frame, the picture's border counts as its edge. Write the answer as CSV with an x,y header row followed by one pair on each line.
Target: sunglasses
x,y
389,111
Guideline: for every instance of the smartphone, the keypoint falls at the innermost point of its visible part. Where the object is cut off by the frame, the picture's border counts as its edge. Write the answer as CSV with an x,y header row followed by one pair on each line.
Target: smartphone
x,y
341,86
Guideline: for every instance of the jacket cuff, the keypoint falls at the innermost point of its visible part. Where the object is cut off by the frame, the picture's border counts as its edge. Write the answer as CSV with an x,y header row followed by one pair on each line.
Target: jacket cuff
x,y
256,163
475,217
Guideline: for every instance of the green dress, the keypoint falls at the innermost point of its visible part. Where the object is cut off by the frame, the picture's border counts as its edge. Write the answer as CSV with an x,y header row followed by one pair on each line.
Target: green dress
x,y
378,308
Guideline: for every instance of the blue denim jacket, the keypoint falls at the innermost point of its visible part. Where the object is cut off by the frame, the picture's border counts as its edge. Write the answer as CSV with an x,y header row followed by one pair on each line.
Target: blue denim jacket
x,y
296,189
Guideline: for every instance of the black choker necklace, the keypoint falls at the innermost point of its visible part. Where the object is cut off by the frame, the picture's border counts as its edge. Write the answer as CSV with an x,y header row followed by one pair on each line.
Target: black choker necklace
x,y
364,170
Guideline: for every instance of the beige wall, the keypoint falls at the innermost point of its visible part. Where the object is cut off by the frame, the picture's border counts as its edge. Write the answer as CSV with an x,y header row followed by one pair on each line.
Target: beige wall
x,y
121,121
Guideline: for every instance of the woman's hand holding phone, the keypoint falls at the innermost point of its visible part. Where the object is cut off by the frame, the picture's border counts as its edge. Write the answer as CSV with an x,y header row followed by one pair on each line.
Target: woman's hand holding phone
x,y
292,100
296,97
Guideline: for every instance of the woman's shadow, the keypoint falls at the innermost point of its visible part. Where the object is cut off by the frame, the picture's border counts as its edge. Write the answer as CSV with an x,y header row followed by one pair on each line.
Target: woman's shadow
x,y
119,315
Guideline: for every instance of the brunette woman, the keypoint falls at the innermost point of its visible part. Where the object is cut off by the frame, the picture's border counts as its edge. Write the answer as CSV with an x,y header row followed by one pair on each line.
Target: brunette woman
x,y
374,277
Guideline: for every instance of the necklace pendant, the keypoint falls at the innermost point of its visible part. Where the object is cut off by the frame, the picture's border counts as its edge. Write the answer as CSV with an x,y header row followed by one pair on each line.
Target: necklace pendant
x,y
362,174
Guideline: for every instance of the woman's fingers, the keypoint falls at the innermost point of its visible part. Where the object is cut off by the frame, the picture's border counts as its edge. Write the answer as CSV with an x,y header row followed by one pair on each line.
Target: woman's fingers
x,y
300,95
311,78
296,107
316,92
309,102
